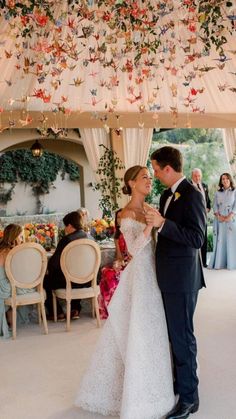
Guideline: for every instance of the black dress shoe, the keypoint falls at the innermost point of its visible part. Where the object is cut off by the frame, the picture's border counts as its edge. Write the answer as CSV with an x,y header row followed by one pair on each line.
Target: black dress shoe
x,y
182,410
205,265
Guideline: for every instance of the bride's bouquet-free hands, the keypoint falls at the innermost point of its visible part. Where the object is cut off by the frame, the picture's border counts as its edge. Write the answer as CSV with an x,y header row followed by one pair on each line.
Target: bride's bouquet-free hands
x,y
153,216
120,264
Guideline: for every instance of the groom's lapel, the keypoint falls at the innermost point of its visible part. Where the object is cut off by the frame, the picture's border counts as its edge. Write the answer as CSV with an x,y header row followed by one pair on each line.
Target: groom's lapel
x,y
170,204
180,190
163,200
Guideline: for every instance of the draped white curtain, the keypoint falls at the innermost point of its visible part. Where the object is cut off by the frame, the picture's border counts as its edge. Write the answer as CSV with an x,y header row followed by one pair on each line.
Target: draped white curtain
x,y
229,139
92,138
137,143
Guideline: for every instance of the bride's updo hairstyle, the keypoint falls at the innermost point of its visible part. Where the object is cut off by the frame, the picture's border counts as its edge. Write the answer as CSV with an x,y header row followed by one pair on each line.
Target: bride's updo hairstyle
x,y
130,174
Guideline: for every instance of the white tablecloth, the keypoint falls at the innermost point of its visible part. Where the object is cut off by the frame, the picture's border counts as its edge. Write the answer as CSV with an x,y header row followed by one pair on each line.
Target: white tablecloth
x,y
108,253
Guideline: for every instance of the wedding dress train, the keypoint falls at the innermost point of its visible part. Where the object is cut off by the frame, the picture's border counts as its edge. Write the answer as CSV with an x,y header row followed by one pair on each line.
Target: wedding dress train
x,y
130,372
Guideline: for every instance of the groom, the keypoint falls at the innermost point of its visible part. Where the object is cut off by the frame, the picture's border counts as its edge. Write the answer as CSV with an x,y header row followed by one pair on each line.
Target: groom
x,y
181,230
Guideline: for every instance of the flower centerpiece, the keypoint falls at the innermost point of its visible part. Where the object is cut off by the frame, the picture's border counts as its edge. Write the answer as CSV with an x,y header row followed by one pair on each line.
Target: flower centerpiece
x,y
44,234
103,228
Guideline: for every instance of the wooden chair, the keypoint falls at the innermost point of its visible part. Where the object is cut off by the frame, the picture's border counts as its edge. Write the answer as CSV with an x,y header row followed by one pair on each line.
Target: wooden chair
x,y
25,267
80,261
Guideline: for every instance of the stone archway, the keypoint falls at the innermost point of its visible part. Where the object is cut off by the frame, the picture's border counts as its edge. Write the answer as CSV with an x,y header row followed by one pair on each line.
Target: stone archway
x,y
70,148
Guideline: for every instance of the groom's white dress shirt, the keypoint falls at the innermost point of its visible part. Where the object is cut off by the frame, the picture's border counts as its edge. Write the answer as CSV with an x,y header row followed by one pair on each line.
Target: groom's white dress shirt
x,y
173,189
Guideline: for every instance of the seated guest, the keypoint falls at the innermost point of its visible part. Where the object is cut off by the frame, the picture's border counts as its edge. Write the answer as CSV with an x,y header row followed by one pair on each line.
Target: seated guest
x,y
12,236
54,278
85,221
110,275
85,218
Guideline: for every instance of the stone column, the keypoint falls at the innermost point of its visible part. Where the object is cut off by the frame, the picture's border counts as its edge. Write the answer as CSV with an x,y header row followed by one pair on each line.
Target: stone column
x,y
117,146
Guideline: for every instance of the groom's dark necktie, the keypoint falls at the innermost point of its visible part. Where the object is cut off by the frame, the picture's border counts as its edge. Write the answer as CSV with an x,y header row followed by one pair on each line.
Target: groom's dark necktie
x,y
168,192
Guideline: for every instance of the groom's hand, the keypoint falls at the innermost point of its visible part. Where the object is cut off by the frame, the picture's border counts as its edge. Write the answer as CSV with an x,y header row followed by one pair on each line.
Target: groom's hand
x,y
154,218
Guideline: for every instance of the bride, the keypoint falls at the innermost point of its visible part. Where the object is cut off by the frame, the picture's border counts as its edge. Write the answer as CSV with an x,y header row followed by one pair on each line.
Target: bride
x,y
130,373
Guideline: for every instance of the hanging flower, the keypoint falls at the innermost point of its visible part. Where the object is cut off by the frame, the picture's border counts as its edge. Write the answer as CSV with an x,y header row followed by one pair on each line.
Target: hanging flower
x,y
123,36
41,19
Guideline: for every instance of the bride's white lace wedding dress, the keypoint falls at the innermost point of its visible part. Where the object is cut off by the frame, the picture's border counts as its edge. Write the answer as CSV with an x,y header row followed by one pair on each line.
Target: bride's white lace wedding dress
x,y
130,373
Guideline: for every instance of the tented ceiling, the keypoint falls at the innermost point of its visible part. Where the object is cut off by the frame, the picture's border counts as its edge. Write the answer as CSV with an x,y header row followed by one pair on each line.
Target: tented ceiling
x,y
117,63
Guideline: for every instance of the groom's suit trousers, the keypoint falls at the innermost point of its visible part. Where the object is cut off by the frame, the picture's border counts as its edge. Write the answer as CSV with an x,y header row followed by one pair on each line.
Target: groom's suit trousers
x,y
179,308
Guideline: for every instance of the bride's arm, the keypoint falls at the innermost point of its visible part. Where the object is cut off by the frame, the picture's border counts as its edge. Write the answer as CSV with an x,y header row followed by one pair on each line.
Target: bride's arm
x,y
135,241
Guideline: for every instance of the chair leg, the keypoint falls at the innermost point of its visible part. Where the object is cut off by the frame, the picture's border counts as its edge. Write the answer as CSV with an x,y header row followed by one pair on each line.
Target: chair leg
x,y
14,322
44,317
39,314
54,303
68,312
93,308
95,300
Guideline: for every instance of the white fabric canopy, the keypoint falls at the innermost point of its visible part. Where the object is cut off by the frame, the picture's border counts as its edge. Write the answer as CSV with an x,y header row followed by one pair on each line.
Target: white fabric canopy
x,y
137,144
92,138
149,58
229,138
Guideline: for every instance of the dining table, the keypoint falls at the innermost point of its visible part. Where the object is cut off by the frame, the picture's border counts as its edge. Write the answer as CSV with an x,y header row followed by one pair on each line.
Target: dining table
x,y
108,252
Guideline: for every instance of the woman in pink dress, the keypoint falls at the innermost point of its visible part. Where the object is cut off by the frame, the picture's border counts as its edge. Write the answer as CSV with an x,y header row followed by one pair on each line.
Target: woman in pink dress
x,y
110,275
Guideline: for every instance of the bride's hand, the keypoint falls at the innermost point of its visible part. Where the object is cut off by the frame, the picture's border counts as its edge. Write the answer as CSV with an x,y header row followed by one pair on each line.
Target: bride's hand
x,y
154,218
148,210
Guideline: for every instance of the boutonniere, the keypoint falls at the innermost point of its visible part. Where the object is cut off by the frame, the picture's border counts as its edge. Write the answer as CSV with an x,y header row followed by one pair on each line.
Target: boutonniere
x,y
177,196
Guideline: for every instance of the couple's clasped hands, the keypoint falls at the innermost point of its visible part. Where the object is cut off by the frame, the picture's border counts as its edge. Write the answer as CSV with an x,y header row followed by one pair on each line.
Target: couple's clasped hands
x,y
153,217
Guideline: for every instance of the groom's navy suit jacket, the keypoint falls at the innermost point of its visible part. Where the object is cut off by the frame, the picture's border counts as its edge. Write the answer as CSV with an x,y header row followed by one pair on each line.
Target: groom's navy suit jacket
x,y
179,267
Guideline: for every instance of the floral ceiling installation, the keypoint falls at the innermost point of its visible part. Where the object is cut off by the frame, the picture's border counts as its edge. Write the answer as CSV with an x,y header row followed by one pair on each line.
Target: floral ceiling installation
x,y
115,55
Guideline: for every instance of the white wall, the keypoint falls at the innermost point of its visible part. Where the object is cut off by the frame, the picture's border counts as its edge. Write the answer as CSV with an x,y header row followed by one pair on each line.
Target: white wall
x,y
63,197
22,202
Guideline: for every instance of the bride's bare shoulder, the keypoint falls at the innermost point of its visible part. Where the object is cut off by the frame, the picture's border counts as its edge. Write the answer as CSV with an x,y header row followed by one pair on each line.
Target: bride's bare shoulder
x,y
127,213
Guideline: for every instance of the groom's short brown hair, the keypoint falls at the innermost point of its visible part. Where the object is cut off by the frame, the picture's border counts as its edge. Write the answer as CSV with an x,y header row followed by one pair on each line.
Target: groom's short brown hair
x,y
168,156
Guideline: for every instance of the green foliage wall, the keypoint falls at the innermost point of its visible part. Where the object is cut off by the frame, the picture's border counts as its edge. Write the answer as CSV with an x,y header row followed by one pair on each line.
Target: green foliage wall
x,y
202,148
184,135
40,173
157,188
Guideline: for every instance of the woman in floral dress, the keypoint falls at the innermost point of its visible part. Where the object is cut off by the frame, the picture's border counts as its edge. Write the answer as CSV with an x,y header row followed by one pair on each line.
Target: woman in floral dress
x,y
110,275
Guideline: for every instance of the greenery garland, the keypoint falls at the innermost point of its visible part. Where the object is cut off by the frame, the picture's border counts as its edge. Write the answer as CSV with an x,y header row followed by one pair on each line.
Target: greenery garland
x,y
40,173
109,184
